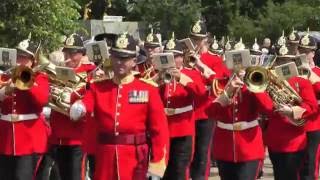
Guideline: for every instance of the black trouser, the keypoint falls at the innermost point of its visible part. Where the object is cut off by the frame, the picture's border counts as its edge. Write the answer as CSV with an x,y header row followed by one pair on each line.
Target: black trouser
x,y
310,167
238,171
286,165
179,158
201,156
71,162
48,169
18,167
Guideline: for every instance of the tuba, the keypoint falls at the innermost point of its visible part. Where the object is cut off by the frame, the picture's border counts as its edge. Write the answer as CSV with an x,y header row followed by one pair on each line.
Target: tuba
x,y
259,79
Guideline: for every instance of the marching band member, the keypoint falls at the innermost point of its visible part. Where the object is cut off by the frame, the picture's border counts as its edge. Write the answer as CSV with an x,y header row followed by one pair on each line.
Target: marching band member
x,y
66,138
151,46
24,131
284,136
237,142
178,96
212,68
130,120
310,170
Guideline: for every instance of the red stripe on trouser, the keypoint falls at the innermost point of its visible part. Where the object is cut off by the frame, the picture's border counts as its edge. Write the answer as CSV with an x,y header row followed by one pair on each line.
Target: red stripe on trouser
x,y
83,166
259,167
37,167
317,158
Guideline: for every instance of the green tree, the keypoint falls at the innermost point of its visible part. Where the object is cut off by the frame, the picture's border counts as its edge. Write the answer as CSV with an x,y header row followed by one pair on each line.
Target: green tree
x,y
167,16
46,20
261,19
277,17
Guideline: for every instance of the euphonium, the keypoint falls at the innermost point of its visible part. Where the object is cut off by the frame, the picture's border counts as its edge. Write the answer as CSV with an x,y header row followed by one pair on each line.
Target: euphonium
x,y
60,91
259,79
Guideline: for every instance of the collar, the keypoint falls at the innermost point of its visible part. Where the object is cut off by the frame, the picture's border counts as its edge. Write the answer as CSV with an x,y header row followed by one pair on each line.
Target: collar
x,y
126,80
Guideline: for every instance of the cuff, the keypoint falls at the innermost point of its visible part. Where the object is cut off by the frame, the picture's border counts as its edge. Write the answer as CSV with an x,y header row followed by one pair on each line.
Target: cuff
x,y
157,168
297,112
184,79
223,99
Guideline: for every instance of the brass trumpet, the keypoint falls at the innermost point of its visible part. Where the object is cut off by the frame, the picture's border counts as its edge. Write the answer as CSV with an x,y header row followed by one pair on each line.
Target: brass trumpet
x,y
21,76
167,77
189,58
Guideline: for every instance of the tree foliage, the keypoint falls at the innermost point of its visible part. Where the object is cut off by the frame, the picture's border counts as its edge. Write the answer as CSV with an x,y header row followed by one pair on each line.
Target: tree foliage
x,y
167,15
262,18
46,20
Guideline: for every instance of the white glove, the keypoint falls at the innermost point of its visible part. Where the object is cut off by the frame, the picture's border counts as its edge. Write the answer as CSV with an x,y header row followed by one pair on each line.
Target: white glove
x,y
77,111
46,111
285,110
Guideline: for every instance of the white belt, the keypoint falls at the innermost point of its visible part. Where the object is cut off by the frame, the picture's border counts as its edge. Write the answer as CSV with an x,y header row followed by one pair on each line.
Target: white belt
x,y
18,117
238,126
174,111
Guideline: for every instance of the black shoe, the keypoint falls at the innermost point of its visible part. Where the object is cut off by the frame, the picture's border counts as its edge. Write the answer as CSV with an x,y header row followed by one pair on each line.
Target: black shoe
x,y
260,175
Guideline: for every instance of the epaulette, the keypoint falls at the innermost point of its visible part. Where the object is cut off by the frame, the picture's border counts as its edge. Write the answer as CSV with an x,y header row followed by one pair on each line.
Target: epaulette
x,y
99,80
150,82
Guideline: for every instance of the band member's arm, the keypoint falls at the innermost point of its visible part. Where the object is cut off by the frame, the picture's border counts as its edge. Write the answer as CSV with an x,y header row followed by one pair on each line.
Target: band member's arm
x,y
264,103
194,85
315,81
40,90
159,134
309,105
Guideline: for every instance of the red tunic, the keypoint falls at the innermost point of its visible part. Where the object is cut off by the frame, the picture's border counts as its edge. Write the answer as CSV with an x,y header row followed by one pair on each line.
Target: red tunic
x,y
215,63
281,135
314,123
200,102
243,145
28,136
64,130
130,107
175,95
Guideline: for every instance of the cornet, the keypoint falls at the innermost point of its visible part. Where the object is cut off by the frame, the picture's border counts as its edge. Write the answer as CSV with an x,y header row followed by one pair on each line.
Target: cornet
x,y
190,57
21,76
167,77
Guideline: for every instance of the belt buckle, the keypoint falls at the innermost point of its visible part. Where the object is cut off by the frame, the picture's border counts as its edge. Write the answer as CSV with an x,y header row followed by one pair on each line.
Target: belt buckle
x,y
237,126
170,111
14,117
